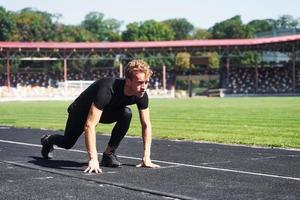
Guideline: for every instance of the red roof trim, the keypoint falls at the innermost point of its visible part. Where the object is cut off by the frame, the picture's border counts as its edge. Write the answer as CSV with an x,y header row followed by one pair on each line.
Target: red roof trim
x,y
150,44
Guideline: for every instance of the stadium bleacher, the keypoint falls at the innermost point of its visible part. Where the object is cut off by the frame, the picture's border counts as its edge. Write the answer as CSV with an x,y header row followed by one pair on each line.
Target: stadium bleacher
x,y
238,80
270,80
27,83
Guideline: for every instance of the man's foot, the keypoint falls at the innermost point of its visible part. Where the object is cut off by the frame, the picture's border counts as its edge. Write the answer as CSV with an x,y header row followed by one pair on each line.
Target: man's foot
x,y
110,160
47,150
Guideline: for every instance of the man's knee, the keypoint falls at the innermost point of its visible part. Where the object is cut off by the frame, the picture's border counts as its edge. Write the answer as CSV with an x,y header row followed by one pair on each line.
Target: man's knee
x,y
68,144
127,113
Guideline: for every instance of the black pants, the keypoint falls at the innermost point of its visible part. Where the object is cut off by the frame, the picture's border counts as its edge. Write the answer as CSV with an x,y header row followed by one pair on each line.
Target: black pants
x,y
76,122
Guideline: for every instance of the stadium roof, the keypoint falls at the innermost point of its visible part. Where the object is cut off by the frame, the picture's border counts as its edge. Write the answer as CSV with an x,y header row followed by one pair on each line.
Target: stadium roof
x,y
143,45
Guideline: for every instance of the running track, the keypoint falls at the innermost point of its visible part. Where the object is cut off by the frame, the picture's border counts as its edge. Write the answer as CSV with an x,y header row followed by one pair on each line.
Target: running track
x,y
188,170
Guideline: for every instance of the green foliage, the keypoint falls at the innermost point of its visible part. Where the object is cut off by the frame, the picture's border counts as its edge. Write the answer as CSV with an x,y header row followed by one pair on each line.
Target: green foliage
x,y
132,32
33,25
260,25
213,58
247,58
283,22
183,60
155,31
231,28
181,27
251,58
102,29
57,66
69,33
94,60
287,22
14,65
2,66
7,25
150,30
77,65
201,34
114,37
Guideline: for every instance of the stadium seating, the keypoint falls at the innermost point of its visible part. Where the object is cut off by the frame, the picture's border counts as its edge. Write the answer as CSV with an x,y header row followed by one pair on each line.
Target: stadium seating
x,y
270,80
238,80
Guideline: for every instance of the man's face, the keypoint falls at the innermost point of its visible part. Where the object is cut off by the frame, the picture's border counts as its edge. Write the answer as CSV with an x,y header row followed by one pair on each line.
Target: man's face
x,y
138,84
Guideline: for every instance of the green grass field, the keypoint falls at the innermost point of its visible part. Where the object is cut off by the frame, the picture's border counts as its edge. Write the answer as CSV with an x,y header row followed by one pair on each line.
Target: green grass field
x,y
270,121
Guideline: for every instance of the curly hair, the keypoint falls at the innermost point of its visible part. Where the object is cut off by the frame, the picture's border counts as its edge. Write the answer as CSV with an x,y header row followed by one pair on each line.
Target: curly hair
x,y
137,66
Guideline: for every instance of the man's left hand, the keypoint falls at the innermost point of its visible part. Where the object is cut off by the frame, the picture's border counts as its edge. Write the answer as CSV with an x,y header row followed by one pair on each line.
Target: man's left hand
x,y
147,163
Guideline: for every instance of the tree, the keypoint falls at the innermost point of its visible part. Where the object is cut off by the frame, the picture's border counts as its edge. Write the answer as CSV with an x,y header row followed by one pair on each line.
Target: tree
x,y
153,31
183,60
261,25
251,58
103,29
231,28
201,34
287,22
247,58
132,32
7,25
181,27
268,25
69,33
34,25
150,30
213,60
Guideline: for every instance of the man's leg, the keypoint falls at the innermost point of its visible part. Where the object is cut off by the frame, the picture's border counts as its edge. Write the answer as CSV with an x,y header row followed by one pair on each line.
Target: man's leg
x,y
122,119
74,128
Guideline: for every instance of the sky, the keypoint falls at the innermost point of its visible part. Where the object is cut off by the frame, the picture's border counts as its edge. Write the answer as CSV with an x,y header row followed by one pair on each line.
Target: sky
x,y
201,13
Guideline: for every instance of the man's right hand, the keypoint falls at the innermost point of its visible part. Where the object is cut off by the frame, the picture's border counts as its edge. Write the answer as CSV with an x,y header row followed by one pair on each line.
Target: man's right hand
x,y
93,166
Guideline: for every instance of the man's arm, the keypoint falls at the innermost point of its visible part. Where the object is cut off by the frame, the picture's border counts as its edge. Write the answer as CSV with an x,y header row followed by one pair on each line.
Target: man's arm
x,y
147,138
90,139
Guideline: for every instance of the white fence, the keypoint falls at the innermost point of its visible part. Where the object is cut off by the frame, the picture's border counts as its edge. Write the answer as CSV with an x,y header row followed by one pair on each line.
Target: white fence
x,y
65,91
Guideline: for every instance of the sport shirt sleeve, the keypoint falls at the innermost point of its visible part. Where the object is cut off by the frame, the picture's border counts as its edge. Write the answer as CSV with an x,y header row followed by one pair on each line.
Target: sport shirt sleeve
x,y
102,97
143,102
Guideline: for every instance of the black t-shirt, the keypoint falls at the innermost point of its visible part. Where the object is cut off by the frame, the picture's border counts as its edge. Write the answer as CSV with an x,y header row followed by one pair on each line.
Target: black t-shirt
x,y
108,95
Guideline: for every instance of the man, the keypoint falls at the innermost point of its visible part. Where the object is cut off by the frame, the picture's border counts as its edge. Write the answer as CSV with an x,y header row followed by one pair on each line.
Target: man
x,y
105,101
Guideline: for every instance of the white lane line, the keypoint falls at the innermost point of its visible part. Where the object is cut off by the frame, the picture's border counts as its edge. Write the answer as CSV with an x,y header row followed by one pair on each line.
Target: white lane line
x,y
102,182
21,143
168,167
4,127
172,163
263,158
212,163
43,178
